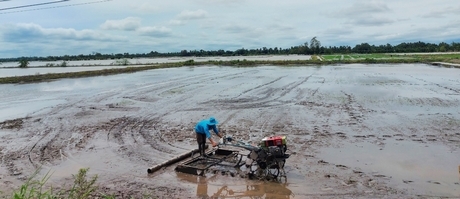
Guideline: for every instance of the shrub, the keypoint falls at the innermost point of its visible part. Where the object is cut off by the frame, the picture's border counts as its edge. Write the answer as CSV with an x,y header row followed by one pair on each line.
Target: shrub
x,y
24,63
123,62
190,62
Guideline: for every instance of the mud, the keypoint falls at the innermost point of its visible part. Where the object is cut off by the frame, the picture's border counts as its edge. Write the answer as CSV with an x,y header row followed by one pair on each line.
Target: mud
x,y
354,131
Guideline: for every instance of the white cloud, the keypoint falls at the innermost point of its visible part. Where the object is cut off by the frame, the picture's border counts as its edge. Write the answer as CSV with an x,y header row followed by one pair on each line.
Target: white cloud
x,y
33,32
155,31
365,13
236,28
371,21
441,13
188,15
192,15
363,8
128,24
175,22
338,31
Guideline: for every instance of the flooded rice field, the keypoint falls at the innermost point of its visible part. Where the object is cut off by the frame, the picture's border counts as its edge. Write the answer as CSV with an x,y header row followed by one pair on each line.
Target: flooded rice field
x,y
353,131
8,69
11,72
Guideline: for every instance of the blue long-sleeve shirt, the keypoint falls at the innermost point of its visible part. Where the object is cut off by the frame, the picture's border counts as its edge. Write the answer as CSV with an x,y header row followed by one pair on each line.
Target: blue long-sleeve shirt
x,y
203,128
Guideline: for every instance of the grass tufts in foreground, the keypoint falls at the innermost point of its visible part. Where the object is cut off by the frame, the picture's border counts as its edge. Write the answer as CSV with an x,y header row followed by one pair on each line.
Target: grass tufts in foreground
x,y
34,188
83,187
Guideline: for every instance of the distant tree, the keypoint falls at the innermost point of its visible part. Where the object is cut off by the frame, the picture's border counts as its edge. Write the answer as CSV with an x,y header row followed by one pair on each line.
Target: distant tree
x,y
63,64
443,47
303,49
23,63
220,52
362,48
315,45
184,53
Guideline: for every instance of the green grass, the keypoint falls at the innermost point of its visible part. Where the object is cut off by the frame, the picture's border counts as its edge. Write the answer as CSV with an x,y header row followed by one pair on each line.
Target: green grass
x,y
364,56
83,187
331,57
34,189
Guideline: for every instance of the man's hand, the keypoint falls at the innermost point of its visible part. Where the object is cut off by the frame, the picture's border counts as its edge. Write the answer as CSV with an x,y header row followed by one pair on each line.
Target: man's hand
x,y
214,144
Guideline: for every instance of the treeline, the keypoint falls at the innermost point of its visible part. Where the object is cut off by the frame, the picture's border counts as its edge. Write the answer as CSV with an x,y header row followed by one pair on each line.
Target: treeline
x,y
314,48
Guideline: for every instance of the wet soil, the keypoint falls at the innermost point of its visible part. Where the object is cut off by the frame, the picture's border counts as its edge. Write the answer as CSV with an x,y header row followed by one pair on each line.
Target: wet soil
x,y
354,131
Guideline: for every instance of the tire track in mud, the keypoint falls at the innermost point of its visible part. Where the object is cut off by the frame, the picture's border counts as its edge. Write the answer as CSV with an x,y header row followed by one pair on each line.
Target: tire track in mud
x,y
292,86
317,89
437,101
440,128
230,117
144,129
182,86
51,145
13,156
265,125
354,110
245,103
153,87
322,132
54,142
260,86
182,82
135,131
190,91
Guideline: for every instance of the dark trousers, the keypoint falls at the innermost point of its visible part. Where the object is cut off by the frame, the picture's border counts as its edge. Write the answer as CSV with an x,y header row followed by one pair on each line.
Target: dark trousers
x,y
201,140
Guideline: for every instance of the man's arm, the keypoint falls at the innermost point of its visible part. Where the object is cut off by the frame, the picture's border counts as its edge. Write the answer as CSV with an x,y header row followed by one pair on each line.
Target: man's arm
x,y
213,143
214,128
208,135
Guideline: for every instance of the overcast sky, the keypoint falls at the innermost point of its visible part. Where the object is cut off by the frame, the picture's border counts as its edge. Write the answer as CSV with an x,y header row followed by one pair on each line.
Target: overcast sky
x,y
140,26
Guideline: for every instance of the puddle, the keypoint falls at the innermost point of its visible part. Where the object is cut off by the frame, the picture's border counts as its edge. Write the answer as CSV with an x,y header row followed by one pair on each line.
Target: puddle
x,y
5,132
22,108
216,186
431,169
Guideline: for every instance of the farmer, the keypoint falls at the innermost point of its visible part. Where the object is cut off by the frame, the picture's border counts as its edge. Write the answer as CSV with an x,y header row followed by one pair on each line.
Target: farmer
x,y
202,132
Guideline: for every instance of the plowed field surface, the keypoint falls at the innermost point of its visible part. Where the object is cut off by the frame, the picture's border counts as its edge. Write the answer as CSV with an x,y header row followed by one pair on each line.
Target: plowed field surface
x,y
354,131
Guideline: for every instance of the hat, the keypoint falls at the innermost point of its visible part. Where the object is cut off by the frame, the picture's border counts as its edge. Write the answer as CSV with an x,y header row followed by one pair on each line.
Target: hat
x,y
212,121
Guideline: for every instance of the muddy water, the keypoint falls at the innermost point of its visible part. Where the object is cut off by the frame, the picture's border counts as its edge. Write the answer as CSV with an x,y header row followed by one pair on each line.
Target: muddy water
x,y
420,167
354,131
218,186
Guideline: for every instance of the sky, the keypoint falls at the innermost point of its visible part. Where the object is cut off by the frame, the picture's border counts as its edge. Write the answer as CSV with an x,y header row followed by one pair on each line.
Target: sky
x,y
73,27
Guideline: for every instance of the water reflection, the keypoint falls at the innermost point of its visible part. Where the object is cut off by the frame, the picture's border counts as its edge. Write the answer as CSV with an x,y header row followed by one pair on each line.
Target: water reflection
x,y
279,191
206,187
